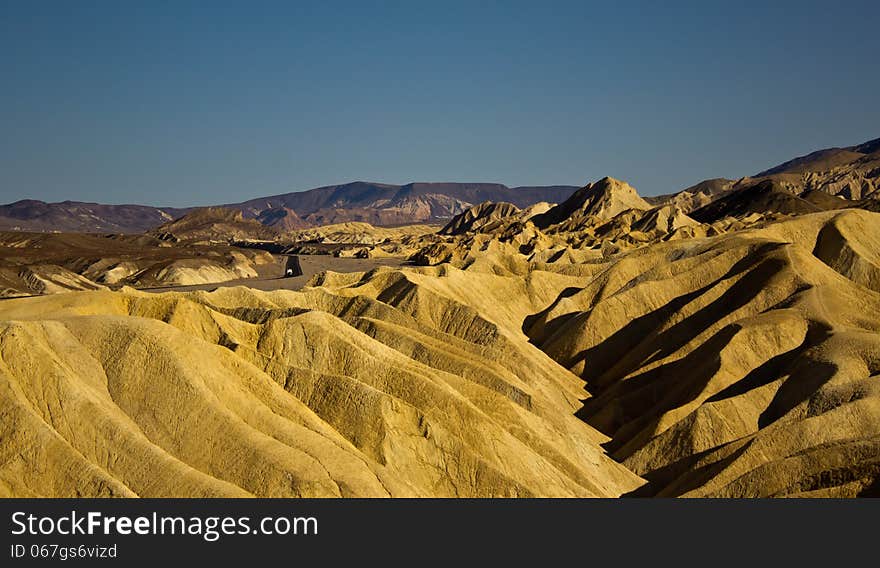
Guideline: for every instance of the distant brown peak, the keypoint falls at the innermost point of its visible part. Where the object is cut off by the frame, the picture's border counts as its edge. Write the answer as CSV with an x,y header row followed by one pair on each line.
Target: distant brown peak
x,y
215,213
501,207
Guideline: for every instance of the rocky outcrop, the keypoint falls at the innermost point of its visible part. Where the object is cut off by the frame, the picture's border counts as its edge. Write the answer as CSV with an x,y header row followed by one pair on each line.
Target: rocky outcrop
x,y
599,201
216,224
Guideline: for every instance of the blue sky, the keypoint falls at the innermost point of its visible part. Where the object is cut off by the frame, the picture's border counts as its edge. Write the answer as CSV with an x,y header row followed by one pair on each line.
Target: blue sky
x,y
185,102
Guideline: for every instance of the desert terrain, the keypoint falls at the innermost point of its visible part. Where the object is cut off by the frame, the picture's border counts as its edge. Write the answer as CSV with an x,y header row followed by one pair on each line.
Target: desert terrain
x,y
721,341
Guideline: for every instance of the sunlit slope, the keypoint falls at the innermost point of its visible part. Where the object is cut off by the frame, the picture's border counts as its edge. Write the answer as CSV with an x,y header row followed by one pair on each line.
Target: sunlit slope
x,y
741,365
326,392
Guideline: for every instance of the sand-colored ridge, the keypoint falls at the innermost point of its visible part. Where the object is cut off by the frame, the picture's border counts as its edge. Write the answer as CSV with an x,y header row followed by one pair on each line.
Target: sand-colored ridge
x,y
602,200
316,393
748,339
636,352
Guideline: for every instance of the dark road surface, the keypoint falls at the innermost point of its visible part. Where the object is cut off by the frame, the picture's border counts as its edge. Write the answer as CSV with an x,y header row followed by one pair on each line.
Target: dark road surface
x,y
272,276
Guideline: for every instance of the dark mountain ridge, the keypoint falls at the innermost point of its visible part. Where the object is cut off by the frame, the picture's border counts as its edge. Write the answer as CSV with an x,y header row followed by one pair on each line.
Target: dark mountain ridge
x,y
377,203
367,194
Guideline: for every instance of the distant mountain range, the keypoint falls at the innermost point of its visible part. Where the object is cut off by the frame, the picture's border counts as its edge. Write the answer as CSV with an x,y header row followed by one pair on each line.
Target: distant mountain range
x,y
75,216
375,203
384,204
823,179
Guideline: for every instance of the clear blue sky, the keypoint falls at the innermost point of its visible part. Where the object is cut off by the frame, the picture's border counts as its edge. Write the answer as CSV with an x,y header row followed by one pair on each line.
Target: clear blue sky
x,y
182,102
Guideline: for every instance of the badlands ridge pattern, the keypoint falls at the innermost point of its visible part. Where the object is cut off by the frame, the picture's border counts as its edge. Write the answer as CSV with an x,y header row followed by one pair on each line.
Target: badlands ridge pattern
x,y
603,347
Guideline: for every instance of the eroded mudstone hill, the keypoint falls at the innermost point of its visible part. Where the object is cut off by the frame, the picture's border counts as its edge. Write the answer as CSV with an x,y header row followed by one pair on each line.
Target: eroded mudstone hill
x,y
642,352
389,386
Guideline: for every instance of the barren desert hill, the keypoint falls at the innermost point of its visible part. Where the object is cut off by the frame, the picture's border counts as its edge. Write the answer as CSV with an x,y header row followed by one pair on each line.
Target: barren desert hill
x,y
767,196
665,219
696,196
212,246
282,219
604,346
601,200
763,337
333,391
825,159
486,216
605,215
77,217
850,174
215,224
739,363
50,263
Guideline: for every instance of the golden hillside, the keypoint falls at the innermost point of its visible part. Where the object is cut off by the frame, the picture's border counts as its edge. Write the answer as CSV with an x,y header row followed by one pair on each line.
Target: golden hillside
x,y
690,362
387,387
